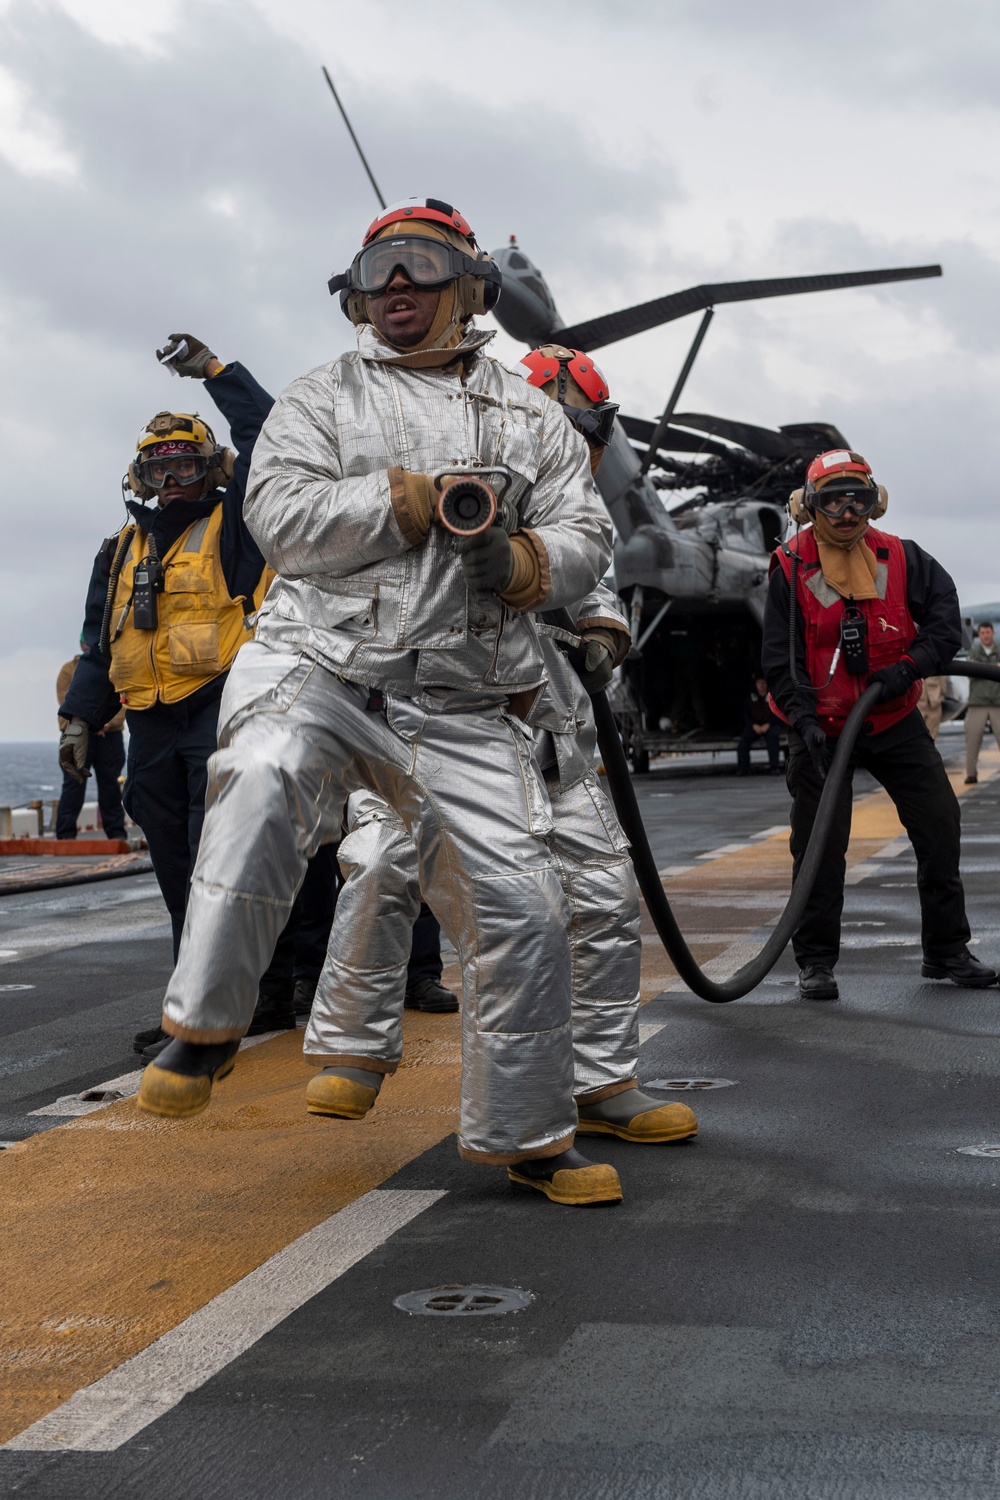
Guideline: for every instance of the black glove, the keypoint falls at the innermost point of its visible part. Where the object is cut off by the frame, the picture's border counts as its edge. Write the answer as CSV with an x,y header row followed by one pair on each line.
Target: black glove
x,y
894,681
185,355
816,742
488,560
598,666
73,745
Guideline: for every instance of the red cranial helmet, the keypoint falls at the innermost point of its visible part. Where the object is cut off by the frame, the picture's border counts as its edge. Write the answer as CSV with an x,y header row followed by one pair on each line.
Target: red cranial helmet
x,y
837,464
553,362
428,210
571,377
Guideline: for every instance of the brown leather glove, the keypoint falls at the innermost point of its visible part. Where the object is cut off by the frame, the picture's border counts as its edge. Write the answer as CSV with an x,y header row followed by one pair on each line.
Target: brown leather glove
x,y
73,745
413,498
529,583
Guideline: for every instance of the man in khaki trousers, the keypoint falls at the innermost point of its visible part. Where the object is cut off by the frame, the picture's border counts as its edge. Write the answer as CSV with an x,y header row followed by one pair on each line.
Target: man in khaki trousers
x,y
984,701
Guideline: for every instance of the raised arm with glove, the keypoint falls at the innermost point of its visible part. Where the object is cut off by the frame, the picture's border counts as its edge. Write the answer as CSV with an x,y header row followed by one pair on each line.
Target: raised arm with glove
x,y
183,354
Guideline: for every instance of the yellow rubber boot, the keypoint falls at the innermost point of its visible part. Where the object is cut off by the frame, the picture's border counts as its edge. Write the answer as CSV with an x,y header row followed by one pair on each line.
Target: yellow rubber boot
x,y
635,1116
568,1178
345,1093
178,1083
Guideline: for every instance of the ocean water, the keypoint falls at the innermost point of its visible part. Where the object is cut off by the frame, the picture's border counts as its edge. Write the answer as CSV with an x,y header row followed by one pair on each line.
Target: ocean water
x,y
29,770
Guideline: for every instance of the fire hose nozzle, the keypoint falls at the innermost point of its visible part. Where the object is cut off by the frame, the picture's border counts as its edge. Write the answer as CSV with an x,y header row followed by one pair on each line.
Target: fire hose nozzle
x,y
467,504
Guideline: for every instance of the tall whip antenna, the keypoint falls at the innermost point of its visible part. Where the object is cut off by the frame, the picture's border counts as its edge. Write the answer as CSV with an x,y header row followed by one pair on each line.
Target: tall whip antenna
x,y
357,143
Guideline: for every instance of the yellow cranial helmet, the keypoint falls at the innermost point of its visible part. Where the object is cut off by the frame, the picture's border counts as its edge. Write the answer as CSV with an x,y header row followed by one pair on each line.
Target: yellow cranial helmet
x,y
182,444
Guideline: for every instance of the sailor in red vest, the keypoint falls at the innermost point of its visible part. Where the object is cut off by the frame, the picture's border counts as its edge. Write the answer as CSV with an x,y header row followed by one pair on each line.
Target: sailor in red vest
x,y
862,607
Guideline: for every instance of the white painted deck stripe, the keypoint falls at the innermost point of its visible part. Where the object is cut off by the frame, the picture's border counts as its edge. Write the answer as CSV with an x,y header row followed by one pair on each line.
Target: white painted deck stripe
x,y
648,1029
103,1416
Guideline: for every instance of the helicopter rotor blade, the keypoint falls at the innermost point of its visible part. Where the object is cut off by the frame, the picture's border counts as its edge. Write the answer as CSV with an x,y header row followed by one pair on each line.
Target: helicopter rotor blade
x,y
357,143
760,440
673,440
608,329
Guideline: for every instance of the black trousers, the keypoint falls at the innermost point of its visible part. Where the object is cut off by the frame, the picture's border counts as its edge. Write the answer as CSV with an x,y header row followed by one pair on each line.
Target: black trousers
x,y
425,949
105,757
771,739
300,951
165,784
914,776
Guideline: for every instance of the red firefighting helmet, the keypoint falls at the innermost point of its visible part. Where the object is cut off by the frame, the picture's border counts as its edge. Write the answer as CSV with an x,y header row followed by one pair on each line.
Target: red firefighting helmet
x,y
431,210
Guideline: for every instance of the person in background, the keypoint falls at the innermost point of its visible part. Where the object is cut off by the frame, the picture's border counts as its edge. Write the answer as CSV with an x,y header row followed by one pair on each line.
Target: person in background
x,y
850,607
760,727
984,701
105,756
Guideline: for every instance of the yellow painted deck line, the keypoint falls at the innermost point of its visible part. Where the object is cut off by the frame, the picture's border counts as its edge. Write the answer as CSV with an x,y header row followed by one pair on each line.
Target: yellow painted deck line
x,y
117,1226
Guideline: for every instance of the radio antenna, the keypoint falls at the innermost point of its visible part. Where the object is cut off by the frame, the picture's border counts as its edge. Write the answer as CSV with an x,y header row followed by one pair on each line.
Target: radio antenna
x,y
357,143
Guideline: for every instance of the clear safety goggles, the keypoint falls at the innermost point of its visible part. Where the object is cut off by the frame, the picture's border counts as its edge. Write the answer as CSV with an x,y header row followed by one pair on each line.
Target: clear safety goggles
x,y
860,500
185,468
425,262
596,423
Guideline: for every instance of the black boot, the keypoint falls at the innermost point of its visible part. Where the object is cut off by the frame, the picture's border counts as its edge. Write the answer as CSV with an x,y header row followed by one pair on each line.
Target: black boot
x,y
816,982
568,1178
303,995
179,1081
148,1038
151,1053
275,1008
430,995
961,968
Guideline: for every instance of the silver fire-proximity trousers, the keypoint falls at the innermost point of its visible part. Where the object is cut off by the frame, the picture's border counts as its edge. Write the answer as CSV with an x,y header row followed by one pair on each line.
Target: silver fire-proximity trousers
x,y
374,667
358,1008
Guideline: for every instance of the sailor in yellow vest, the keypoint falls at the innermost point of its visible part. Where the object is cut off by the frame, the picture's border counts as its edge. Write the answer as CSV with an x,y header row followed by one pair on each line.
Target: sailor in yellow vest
x,y
172,599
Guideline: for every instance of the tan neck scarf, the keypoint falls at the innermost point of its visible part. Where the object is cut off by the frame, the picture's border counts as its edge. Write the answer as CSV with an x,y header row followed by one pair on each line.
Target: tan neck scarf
x,y
847,561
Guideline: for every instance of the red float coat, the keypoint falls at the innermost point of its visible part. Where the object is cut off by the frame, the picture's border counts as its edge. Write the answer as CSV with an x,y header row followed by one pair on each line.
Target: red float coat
x,y
891,630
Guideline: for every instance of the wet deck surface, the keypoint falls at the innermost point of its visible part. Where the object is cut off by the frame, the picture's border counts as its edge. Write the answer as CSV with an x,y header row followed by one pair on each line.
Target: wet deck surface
x,y
802,1302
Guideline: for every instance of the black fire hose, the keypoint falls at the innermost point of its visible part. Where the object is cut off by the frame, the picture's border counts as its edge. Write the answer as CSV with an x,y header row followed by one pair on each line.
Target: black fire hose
x,y
623,794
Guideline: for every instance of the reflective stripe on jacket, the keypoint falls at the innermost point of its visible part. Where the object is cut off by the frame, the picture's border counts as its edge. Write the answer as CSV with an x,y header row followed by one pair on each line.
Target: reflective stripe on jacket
x,y
199,627
891,630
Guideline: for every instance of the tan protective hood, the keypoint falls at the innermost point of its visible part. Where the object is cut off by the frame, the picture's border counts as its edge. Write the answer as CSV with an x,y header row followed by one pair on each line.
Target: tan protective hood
x,y
847,561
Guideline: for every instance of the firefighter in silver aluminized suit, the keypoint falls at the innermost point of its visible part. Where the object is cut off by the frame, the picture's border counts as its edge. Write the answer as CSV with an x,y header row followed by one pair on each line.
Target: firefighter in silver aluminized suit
x,y
358,1009
387,654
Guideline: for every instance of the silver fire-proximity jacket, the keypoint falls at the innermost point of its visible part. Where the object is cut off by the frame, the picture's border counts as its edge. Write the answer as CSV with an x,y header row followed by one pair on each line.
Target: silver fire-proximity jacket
x,y
357,595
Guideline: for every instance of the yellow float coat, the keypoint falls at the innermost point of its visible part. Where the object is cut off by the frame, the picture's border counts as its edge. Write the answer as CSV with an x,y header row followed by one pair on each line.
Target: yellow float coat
x,y
199,627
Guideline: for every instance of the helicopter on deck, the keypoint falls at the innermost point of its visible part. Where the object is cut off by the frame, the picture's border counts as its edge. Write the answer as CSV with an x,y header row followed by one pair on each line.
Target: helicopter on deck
x,y
693,573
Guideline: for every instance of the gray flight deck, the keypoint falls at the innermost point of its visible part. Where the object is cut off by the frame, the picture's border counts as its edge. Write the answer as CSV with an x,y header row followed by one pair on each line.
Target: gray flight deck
x,y
801,1303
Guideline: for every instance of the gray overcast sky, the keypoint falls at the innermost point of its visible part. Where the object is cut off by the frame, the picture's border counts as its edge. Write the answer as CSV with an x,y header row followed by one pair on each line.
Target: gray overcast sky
x,y
181,165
